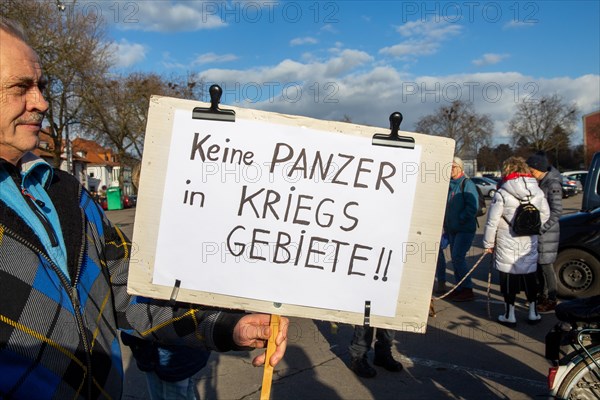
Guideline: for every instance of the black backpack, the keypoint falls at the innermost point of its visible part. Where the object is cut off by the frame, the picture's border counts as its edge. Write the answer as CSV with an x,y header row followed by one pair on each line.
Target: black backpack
x,y
527,220
481,208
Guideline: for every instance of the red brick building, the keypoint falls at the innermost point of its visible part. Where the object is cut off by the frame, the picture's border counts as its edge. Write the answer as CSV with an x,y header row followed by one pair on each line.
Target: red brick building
x,y
591,135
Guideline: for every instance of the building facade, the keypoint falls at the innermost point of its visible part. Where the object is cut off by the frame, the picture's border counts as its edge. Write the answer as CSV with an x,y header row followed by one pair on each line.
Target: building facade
x,y
95,166
591,135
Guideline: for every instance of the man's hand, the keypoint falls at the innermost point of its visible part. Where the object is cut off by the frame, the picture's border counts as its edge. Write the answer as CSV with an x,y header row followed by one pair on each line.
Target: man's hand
x,y
489,250
253,331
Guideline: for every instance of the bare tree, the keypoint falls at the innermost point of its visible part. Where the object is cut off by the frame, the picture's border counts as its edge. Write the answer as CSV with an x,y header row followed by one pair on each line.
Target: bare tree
x,y
486,159
545,125
502,153
491,159
460,122
188,86
116,114
72,51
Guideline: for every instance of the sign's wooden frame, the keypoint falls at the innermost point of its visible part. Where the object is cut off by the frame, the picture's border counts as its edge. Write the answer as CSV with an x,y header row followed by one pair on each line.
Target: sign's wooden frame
x,y
425,231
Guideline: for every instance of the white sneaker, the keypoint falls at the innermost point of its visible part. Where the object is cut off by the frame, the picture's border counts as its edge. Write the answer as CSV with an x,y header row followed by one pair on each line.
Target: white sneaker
x,y
507,321
537,318
534,317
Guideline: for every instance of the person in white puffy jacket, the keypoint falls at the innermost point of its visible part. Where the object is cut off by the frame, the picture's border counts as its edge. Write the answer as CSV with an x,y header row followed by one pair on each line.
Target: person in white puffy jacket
x,y
515,257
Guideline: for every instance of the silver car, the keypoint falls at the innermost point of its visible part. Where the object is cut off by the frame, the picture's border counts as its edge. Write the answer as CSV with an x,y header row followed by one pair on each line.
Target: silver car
x,y
486,185
578,176
573,181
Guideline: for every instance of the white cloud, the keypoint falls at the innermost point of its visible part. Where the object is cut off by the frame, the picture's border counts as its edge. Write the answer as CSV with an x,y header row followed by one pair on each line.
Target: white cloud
x,y
514,24
489,59
211,58
428,29
411,49
126,54
170,63
303,40
422,38
294,71
353,83
329,28
164,16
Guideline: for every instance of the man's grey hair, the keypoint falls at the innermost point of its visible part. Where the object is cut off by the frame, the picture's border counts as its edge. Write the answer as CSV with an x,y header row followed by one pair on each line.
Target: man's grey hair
x,y
13,28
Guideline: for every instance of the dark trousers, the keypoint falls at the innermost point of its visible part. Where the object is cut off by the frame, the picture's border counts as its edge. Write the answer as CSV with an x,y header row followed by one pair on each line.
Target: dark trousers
x,y
513,284
547,278
460,243
363,337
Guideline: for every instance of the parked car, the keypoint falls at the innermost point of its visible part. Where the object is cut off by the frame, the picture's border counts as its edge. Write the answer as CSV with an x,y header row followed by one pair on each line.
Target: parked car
x,y
103,202
577,265
486,185
495,178
576,175
129,201
573,181
568,189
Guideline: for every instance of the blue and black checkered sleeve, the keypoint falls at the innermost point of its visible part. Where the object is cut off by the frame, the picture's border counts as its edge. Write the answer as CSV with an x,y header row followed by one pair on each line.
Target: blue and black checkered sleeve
x,y
182,324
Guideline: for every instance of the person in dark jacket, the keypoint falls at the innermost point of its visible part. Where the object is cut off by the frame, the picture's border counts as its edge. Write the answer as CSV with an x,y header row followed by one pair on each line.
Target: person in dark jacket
x,y
550,181
169,370
460,224
64,267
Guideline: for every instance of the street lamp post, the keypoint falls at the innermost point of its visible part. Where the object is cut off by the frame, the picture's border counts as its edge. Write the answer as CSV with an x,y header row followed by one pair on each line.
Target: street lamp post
x,y
68,151
69,154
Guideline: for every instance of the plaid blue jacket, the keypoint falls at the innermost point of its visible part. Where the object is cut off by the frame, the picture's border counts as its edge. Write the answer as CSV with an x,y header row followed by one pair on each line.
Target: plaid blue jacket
x,y
58,340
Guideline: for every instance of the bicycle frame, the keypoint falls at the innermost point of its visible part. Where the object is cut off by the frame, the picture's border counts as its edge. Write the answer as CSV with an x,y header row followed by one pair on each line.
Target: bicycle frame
x,y
581,352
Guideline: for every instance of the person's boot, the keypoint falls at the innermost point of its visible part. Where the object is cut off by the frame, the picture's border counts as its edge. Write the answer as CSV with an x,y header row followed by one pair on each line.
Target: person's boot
x,y
440,288
508,318
387,361
547,306
361,367
533,317
541,298
465,294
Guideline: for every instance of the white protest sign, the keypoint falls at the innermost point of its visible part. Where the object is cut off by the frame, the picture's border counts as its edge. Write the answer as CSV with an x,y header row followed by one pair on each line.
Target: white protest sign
x,y
288,215
285,214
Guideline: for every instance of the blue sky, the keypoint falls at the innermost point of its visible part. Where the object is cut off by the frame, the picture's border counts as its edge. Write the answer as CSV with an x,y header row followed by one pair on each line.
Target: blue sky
x,y
367,59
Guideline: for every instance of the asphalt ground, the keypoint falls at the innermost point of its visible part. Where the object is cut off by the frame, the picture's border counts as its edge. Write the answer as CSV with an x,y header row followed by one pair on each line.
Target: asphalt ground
x,y
465,353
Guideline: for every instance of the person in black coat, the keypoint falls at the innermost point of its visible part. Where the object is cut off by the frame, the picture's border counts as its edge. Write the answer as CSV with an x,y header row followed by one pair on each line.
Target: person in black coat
x,y
550,181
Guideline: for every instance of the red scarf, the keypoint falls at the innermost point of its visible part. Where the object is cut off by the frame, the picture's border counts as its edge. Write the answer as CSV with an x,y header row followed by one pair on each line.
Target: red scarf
x,y
515,175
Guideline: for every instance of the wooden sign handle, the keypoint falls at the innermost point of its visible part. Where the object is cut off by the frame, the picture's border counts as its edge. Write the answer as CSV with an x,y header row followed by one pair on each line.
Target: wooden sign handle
x,y
265,392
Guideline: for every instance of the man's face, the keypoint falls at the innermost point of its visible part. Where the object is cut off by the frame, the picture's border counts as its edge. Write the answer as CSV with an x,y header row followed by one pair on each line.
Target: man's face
x,y
22,105
536,173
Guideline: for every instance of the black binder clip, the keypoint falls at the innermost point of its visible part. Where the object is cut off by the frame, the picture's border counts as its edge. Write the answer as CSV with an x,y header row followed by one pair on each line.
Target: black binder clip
x,y
174,293
367,320
394,139
214,112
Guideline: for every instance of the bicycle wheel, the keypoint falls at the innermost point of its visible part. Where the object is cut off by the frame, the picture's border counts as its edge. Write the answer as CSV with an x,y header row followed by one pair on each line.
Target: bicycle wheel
x,y
583,382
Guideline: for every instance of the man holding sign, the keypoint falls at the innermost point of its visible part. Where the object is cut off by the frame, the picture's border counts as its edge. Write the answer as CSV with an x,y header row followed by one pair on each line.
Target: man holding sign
x,y
64,267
